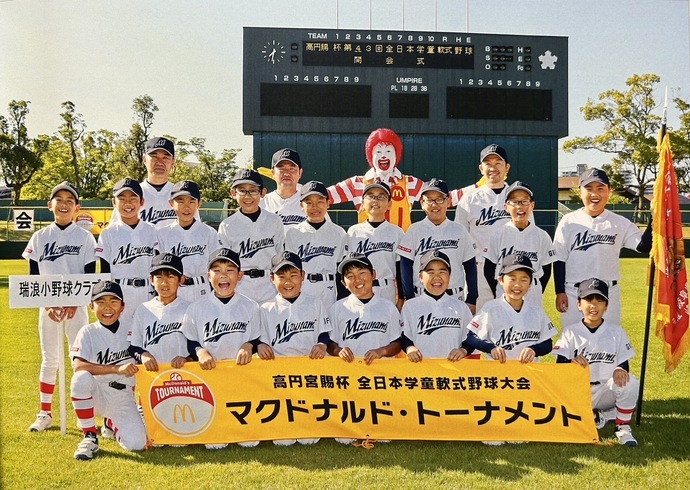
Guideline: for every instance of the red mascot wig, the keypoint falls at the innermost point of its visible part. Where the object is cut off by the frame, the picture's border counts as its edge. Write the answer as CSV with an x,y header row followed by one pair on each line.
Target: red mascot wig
x,y
383,135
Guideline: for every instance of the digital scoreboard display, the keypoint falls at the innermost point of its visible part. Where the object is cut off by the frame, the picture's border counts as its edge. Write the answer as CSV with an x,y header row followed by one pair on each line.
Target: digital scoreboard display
x,y
350,81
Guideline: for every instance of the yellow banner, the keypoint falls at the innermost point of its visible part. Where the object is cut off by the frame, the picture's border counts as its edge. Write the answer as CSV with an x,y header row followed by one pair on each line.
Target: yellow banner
x,y
290,398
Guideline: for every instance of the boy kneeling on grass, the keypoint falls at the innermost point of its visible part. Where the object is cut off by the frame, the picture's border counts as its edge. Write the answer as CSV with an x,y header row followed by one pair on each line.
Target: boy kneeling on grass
x,y
605,348
103,381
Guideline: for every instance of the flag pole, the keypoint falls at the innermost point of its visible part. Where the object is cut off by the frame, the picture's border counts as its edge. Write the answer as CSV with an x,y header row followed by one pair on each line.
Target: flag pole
x,y
650,291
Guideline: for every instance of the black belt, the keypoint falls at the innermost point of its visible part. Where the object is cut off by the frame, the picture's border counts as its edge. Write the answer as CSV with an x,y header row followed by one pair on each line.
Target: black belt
x,y
190,281
254,273
117,386
320,277
382,282
137,283
594,383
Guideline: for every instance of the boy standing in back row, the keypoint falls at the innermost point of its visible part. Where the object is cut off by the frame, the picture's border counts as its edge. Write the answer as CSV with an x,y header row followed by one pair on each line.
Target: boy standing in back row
x,y
60,248
588,242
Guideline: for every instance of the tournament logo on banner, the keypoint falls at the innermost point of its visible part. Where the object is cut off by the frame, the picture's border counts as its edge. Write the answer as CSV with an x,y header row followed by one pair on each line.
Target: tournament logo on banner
x,y
182,403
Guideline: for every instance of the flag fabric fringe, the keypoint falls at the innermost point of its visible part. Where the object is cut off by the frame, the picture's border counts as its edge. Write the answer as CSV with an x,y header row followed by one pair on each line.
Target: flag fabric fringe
x,y
668,253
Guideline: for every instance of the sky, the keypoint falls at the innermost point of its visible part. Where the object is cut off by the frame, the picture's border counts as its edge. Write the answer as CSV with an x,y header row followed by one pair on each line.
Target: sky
x,y
187,54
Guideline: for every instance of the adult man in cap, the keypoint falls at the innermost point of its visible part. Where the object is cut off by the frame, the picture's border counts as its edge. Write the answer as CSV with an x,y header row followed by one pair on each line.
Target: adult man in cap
x,y
159,159
286,168
482,208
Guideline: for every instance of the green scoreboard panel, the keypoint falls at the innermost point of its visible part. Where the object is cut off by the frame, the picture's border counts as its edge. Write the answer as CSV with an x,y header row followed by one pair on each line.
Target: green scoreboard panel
x,y
352,81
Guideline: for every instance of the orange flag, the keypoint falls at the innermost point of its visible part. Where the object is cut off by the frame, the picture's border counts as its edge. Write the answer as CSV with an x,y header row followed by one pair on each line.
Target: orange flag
x,y
668,253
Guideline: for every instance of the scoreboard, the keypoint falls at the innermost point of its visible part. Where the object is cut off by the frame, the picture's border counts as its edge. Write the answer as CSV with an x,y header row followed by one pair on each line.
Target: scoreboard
x,y
352,81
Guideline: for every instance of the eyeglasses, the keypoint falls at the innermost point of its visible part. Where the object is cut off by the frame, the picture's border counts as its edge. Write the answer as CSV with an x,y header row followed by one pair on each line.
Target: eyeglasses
x,y
438,200
526,202
250,192
376,197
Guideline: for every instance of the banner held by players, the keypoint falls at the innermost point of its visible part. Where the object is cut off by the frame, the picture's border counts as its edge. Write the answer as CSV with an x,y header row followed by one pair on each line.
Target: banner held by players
x,y
290,398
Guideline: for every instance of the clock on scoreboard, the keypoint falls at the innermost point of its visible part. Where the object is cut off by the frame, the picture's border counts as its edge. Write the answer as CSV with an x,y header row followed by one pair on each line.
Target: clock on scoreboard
x,y
349,81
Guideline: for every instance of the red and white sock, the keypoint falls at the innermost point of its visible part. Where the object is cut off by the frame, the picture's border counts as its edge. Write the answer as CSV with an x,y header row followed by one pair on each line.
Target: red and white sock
x,y
46,396
85,414
623,415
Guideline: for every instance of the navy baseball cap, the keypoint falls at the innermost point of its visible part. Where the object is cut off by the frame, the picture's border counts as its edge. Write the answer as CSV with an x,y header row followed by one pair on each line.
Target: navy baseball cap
x,y
519,186
127,185
437,185
247,176
65,186
186,188
594,175
166,261
286,258
355,258
224,254
288,155
432,256
377,185
313,187
497,150
160,144
106,288
515,262
593,286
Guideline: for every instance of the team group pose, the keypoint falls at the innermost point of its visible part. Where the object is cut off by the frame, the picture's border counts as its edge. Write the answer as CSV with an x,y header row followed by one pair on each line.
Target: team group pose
x,y
279,278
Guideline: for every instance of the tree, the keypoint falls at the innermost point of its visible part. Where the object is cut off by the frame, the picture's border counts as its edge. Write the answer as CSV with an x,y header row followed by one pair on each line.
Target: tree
x,y
213,173
20,156
630,131
680,144
71,131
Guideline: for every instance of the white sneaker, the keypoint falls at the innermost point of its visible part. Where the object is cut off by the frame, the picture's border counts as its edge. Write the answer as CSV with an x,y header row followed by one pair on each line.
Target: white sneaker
x,y
248,444
215,446
106,431
493,443
308,442
284,442
603,417
43,421
345,441
87,448
625,437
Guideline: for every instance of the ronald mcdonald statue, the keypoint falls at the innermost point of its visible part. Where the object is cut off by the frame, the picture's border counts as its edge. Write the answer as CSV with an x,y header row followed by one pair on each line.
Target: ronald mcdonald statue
x,y
383,151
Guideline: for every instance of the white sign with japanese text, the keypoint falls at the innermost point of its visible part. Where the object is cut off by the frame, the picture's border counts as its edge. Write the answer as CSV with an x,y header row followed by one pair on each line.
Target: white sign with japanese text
x,y
23,219
52,290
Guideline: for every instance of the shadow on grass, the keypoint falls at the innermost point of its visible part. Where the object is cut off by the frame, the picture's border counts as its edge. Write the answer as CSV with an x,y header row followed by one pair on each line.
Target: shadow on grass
x,y
661,436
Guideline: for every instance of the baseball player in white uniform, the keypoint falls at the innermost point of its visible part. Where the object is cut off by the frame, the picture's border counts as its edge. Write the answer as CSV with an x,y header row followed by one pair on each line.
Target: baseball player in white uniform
x,y
319,243
225,325
434,323
159,159
437,232
363,324
286,166
255,234
126,247
606,349
520,236
103,380
378,239
156,332
481,209
511,328
60,248
587,242
189,239
292,324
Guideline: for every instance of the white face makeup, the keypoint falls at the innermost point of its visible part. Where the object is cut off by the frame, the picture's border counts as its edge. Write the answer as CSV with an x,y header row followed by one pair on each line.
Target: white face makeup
x,y
384,158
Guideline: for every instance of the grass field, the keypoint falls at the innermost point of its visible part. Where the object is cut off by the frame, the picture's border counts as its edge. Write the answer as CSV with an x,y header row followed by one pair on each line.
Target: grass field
x,y
37,461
